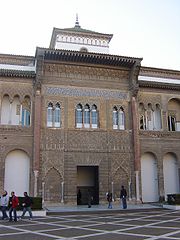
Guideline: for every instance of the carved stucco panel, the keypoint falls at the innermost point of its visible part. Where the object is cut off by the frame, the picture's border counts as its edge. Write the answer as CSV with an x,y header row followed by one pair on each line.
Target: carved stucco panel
x,y
89,159
12,89
121,161
80,71
52,160
149,98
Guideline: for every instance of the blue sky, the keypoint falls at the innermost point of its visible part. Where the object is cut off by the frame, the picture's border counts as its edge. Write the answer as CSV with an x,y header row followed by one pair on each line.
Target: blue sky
x,y
141,28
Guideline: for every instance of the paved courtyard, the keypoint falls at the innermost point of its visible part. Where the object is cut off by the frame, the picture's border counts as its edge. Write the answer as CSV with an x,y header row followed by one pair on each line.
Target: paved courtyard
x,y
126,225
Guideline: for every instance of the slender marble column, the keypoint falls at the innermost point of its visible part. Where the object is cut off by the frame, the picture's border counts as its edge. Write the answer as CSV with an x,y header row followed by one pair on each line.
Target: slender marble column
x,y
62,192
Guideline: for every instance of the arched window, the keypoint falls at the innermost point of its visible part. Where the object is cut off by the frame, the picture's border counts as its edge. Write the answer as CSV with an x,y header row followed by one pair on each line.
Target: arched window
x,y
50,115
94,116
115,118
121,119
118,118
157,118
54,115
79,116
83,49
86,116
26,112
15,111
150,117
142,117
171,122
174,115
57,115
25,117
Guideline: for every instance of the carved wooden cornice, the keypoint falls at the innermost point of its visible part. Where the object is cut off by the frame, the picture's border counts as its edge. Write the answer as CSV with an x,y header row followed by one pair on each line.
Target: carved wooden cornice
x,y
16,59
159,72
17,73
87,58
159,85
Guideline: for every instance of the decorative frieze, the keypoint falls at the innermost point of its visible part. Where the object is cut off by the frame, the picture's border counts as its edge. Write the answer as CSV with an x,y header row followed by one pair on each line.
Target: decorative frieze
x,y
82,92
158,134
78,71
87,159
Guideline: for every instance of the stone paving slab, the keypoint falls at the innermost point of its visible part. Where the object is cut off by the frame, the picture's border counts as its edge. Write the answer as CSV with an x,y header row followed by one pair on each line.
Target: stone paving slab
x,y
26,236
127,225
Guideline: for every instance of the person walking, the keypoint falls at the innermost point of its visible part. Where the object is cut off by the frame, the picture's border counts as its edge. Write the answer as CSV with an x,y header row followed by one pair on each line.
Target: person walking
x,y
4,201
123,195
79,195
27,203
109,199
14,202
89,198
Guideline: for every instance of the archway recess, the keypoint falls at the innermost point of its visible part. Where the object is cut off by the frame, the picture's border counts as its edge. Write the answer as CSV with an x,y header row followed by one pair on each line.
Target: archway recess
x,y
171,175
149,178
17,170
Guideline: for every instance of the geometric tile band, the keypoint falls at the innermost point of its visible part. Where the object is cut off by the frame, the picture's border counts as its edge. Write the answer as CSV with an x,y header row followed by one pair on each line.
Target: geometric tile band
x,y
75,92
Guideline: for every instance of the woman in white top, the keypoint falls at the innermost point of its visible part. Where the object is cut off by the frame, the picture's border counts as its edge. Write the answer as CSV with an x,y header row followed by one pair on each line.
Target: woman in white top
x,y
4,201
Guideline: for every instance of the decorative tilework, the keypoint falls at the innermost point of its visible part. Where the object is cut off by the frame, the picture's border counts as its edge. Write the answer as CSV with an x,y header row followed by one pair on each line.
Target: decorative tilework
x,y
75,92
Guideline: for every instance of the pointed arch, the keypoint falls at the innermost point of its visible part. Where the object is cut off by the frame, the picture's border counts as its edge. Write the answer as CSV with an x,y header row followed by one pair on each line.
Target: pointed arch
x,y
118,118
173,120
94,116
57,115
50,115
52,186
26,111
79,116
86,116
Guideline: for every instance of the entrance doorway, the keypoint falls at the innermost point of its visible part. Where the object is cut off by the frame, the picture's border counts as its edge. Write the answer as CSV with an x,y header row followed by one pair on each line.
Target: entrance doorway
x,y
87,179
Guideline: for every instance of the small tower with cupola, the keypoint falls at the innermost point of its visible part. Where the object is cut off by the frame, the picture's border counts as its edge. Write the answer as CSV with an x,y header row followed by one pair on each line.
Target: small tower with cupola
x,y
80,39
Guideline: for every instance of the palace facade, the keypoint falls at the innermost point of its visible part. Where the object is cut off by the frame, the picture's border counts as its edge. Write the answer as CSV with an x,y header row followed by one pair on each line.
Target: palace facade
x,y
76,117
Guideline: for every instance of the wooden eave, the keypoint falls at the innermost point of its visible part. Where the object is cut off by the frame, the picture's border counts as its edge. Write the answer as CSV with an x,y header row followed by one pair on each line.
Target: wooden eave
x,y
159,72
160,85
17,73
91,58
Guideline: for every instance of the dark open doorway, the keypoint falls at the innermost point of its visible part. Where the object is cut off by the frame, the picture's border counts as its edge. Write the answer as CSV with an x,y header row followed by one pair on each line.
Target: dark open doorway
x,y
87,179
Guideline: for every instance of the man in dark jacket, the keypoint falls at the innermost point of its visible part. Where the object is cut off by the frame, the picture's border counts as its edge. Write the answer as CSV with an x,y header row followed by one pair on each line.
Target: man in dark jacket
x,y
123,195
27,203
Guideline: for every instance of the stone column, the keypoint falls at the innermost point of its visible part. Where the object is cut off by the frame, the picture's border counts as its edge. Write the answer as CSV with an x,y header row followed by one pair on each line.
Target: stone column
x,y
62,192
43,192
136,144
10,113
112,190
35,182
37,136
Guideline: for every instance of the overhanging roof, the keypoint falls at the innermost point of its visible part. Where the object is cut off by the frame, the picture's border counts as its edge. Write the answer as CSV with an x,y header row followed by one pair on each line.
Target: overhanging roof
x,y
90,58
17,73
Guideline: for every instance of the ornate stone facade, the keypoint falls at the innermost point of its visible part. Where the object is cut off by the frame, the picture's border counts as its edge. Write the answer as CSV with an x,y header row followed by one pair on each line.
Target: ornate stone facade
x,y
113,153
